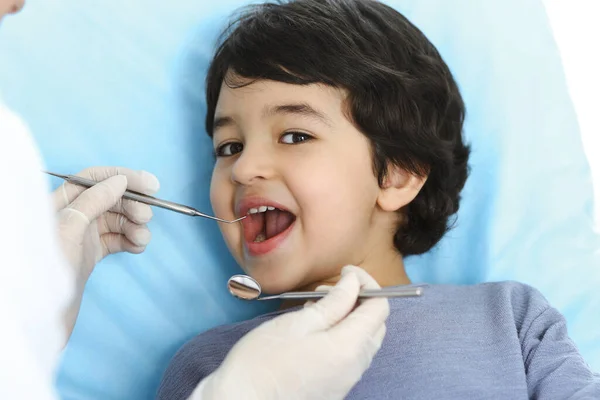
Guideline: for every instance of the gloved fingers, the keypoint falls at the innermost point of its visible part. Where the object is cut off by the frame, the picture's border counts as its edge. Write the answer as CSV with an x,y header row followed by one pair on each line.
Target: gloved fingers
x,y
74,219
368,318
321,288
366,348
113,243
363,325
366,280
137,212
72,224
332,308
98,199
139,181
378,339
118,223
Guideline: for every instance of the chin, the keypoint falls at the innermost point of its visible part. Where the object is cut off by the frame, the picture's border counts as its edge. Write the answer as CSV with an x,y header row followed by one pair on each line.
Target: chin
x,y
275,280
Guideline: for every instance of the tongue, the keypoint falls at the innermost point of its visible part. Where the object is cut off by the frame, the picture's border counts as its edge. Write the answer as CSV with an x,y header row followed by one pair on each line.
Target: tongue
x,y
277,221
254,226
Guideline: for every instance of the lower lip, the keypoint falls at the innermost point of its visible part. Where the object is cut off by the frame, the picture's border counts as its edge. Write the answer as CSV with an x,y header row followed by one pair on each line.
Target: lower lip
x,y
262,248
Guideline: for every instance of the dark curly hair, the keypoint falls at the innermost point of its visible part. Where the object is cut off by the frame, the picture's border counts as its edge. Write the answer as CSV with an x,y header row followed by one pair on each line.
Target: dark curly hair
x,y
401,94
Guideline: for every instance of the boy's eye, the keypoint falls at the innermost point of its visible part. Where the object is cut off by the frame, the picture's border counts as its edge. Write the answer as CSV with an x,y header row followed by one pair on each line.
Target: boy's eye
x,y
294,137
229,149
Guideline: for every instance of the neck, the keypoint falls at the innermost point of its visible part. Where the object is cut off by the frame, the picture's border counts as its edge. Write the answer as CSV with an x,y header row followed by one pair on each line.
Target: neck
x,y
387,270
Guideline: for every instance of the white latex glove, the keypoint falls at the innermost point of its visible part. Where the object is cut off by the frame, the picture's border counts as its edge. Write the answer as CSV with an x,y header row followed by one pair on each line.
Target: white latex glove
x,y
96,222
319,352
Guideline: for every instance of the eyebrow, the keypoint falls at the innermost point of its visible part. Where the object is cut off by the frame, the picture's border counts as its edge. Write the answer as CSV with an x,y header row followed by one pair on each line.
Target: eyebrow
x,y
221,122
302,109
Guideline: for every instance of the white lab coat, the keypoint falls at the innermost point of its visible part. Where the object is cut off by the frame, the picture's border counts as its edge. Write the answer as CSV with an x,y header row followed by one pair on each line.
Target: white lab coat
x,y
35,282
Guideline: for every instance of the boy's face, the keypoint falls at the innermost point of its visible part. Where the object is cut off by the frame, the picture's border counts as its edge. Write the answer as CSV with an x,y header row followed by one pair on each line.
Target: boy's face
x,y
291,148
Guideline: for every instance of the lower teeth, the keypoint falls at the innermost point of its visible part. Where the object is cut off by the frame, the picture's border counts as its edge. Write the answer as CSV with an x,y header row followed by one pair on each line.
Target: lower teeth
x,y
260,238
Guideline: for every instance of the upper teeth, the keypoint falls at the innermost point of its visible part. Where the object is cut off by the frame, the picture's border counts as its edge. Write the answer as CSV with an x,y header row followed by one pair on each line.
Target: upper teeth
x,y
260,209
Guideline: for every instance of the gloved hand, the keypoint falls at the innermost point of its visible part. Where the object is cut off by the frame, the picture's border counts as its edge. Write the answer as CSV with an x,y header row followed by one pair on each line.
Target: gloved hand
x,y
319,352
96,222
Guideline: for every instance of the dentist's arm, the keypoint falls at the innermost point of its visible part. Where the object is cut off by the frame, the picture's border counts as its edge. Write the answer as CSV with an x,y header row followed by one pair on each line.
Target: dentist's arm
x,y
37,285
319,352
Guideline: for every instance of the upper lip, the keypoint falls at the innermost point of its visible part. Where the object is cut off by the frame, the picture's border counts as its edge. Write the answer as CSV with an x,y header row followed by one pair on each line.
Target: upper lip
x,y
245,204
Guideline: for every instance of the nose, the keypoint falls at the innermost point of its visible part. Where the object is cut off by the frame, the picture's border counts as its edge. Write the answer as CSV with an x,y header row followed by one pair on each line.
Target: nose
x,y
254,164
16,6
10,7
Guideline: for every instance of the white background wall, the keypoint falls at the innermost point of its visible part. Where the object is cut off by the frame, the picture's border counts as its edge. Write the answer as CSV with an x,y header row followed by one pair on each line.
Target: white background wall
x,y
577,34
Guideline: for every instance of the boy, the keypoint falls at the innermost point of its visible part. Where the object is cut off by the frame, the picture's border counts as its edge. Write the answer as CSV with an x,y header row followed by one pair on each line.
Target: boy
x,y
338,129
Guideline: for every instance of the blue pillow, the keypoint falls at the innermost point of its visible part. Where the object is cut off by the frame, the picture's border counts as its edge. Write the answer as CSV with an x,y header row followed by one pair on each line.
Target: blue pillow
x,y
122,83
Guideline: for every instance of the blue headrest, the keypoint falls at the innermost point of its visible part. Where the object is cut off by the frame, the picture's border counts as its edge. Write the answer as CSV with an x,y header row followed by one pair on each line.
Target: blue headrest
x,y
121,83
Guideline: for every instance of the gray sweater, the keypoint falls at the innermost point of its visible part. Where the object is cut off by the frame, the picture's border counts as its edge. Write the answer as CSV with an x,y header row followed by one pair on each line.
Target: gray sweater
x,y
487,341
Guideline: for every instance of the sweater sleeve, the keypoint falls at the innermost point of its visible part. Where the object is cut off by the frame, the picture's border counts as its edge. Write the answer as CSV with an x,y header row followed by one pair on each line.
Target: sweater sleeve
x,y
192,363
554,367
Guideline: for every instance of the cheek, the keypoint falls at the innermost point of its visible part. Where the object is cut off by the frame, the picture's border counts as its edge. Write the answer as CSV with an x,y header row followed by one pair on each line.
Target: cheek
x,y
221,200
220,194
337,195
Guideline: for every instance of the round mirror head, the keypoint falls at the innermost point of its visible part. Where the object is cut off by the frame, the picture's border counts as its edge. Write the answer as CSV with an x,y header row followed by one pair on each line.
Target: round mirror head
x,y
244,287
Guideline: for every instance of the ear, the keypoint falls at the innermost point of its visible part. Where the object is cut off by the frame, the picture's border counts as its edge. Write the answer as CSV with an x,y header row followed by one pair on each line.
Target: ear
x,y
399,188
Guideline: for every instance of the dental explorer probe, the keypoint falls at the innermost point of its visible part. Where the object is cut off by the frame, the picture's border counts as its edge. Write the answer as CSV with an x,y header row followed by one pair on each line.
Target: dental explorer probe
x,y
143,198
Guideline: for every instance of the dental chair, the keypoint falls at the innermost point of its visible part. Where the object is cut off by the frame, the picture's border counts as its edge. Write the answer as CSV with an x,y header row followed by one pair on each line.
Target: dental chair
x,y
122,83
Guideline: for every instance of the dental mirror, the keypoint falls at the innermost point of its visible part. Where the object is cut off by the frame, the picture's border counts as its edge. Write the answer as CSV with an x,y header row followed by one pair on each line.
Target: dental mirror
x,y
247,288
244,287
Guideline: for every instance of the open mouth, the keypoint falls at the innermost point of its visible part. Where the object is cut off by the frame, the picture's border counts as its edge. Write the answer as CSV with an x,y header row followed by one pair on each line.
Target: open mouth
x,y
265,223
